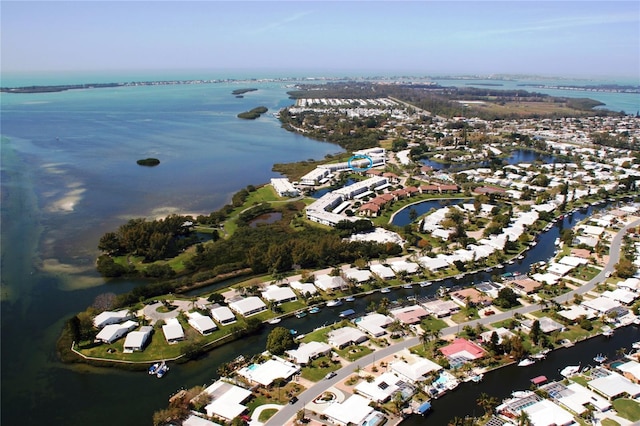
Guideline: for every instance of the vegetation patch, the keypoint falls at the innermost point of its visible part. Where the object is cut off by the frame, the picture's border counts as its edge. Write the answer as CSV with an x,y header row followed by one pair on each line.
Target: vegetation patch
x,y
149,162
253,113
627,408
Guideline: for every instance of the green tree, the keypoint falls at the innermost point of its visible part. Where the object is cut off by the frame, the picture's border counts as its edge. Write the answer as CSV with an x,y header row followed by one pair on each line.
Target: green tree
x,y
279,340
536,332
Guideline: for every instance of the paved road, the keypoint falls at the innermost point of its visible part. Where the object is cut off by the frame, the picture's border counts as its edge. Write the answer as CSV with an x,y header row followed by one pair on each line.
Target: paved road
x,y
288,411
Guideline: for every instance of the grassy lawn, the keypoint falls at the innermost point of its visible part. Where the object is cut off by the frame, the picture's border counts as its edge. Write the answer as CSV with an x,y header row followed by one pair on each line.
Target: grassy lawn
x,y
585,272
267,414
463,316
318,368
581,380
354,352
431,323
609,422
627,408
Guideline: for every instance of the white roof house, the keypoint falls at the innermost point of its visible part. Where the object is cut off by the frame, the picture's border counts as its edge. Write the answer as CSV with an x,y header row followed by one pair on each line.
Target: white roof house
x,y
203,324
601,305
284,188
546,413
382,271
327,282
559,269
434,263
279,294
373,324
631,370
267,372
345,336
358,275
223,315
413,368
353,410
112,332
621,295
172,330
226,400
308,351
111,317
248,306
576,397
614,385
194,420
402,265
136,340
501,332
304,288
381,388
576,311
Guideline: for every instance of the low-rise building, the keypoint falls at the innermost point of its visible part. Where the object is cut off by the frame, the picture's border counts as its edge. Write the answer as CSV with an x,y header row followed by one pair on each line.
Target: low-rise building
x,y
345,336
248,306
111,317
203,324
279,294
172,330
409,314
226,400
374,324
264,374
223,315
308,351
112,332
137,340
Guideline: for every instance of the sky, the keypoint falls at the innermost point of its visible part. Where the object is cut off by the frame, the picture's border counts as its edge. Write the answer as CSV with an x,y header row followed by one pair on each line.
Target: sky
x,y
554,38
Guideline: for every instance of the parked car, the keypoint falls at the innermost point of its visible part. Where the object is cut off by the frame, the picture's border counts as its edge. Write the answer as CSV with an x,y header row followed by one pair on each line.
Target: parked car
x,y
330,375
293,400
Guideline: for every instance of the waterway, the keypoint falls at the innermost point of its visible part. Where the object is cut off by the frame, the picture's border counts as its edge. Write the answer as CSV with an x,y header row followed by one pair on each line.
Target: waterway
x,y
517,156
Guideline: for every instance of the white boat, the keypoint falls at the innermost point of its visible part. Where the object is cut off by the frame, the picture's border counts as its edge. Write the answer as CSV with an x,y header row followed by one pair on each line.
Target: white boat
x,y
154,368
526,362
570,370
600,358
477,378
635,345
350,299
452,384
385,290
521,394
162,370
408,286
336,302
539,355
425,283
274,320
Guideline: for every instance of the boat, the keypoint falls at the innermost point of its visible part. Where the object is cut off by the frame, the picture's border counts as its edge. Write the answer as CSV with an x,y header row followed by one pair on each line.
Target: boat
x,y
385,290
477,378
300,336
570,370
314,310
332,303
274,320
350,299
425,283
293,331
347,313
459,277
600,358
526,362
154,368
301,314
489,270
539,355
423,408
521,394
408,286
607,331
162,370
635,345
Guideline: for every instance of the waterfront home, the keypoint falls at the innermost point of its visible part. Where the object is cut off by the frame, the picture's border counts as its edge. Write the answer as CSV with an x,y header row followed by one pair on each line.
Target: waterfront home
x,y
575,312
355,410
631,284
400,266
223,315
630,370
441,308
264,374
575,397
304,288
413,368
284,188
623,296
612,385
501,332
384,272
381,388
546,413
203,324
470,297
434,263
345,336
247,306
525,286
136,340
111,317
226,400
279,294
357,275
602,306
461,351
373,324
194,420
329,283
112,332
409,314
308,351
547,325
172,330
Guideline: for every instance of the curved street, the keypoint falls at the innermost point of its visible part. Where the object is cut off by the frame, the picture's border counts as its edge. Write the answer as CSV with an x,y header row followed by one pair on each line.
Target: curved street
x,y
283,416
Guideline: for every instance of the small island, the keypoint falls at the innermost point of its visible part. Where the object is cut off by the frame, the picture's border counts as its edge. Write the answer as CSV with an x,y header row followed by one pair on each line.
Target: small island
x,y
242,91
149,162
254,113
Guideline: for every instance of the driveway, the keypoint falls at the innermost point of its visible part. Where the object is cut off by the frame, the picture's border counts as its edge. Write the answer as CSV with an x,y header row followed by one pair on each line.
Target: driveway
x,y
151,311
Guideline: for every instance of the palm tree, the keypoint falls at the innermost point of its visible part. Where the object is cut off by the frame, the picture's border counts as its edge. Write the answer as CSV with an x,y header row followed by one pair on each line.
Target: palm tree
x,y
524,419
